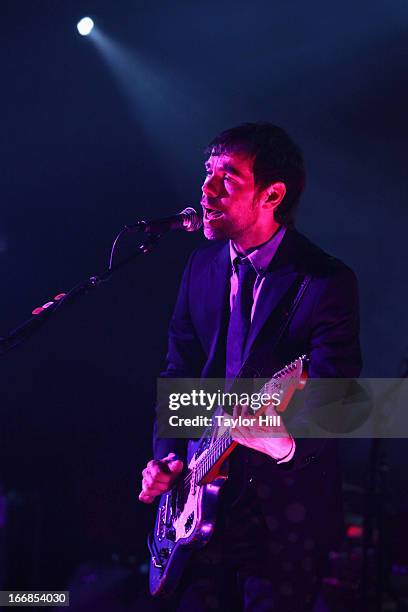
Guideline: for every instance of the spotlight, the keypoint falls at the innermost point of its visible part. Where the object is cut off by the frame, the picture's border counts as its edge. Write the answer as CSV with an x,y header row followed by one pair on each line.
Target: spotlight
x,y
85,26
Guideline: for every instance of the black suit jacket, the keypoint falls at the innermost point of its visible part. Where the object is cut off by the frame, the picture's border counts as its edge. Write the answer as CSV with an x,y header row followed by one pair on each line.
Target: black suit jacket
x,y
325,326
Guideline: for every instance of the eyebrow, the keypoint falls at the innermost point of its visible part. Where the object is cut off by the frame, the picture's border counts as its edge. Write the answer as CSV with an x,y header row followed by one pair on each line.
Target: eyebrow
x,y
228,168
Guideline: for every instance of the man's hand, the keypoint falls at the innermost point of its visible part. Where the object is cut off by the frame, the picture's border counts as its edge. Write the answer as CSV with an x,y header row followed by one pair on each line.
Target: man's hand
x,y
273,441
159,476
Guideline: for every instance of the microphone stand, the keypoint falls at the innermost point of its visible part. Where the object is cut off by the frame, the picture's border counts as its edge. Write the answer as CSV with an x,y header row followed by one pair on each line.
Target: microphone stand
x,y
42,315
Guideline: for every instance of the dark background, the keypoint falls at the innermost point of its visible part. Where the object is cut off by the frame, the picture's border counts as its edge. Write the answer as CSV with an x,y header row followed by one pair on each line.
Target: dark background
x,y
97,132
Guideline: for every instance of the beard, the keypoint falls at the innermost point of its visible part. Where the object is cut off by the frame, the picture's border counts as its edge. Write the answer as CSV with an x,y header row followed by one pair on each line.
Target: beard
x,y
227,229
222,229
213,233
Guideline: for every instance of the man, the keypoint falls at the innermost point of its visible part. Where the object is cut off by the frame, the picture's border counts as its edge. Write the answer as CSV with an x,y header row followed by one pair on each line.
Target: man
x,y
280,512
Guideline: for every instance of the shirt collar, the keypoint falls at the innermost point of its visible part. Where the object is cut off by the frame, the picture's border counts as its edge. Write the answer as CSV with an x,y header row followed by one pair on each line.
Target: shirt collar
x,y
261,257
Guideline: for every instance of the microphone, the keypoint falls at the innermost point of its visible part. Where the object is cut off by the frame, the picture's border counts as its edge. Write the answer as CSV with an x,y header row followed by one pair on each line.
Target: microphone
x,y
188,220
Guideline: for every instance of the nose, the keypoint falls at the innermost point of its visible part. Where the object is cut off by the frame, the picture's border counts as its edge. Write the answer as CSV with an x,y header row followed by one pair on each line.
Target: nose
x,y
210,187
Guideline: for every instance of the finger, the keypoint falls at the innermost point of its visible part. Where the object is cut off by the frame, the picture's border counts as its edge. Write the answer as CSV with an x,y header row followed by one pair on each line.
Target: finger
x,y
170,457
146,499
165,465
245,410
149,483
152,463
270,409
157,475
176,466
238,434
159,462
153,489
236,412
158,467
241,440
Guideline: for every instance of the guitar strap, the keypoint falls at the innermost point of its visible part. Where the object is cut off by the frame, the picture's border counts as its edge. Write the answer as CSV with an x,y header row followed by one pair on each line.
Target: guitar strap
x,y
269,334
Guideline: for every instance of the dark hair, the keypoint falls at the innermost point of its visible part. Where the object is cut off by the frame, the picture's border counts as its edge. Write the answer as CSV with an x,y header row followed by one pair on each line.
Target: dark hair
x,y
276,158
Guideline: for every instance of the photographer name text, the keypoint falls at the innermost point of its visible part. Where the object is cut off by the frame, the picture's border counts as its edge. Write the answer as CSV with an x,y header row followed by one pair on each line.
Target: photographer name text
x,y
225,421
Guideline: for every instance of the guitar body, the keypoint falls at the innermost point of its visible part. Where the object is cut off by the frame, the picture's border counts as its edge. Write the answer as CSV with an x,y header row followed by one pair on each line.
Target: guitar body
x,y
186,514
185,521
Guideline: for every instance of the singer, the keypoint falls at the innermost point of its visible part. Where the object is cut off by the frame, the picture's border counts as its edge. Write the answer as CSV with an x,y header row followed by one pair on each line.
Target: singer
x,y
280,510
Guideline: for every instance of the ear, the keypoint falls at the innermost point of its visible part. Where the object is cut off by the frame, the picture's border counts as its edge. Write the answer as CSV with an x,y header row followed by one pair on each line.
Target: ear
x,y
273,195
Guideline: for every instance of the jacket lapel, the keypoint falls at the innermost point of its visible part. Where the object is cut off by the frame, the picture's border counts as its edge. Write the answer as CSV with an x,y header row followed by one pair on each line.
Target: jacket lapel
x,y
274,288
283,272
217,300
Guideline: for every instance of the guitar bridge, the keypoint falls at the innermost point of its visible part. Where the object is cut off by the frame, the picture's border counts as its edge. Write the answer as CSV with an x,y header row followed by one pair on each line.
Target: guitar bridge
x,y
153,552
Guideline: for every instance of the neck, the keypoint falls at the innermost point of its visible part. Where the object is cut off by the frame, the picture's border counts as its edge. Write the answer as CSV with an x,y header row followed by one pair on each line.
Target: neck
x,y
251,240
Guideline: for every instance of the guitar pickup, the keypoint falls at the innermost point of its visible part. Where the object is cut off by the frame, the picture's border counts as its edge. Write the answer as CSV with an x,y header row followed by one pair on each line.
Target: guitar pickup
x,y
160,525
171,534
189,522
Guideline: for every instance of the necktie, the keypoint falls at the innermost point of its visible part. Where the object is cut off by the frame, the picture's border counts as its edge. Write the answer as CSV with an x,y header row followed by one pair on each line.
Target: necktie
x,y
240,319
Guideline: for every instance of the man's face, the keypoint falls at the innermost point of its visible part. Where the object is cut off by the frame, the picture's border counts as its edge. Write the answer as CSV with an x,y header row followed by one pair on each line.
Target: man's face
x,y
229,197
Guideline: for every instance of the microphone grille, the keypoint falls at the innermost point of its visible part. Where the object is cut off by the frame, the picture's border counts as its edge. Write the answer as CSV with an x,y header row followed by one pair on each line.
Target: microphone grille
x,y
192,220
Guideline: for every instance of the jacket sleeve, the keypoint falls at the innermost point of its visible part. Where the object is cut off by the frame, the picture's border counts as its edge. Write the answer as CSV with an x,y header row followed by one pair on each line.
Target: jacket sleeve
x,y
185,359
334,352
335,346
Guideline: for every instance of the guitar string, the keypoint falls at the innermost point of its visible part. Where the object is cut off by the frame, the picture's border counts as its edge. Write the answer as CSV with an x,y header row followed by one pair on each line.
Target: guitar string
x,y
271,385
267,388
214,448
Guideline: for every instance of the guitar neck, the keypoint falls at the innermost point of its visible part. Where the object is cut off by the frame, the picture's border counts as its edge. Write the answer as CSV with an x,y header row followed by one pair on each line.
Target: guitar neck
x,y
217,453
284,383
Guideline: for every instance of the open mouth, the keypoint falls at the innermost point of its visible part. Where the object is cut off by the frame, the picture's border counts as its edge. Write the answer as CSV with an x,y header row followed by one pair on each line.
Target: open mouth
x,y
210,214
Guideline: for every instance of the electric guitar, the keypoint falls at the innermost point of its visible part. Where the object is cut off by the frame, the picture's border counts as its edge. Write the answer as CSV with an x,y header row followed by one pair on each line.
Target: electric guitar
x,y
186,514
